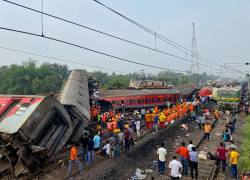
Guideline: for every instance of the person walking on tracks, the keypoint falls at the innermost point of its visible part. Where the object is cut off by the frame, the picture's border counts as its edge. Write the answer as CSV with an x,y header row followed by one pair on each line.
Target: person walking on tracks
x,y
127,135
221,156
162,153
175,169
73,159
85,141
190,145
138,128
207,130
234,155
183,152
90,150
193,157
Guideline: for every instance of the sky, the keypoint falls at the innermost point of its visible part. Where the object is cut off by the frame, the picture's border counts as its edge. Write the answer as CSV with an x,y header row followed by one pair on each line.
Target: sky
x,y
222,33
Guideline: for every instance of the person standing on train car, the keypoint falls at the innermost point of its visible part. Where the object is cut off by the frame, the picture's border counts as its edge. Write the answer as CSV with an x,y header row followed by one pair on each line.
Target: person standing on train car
x,y
184,153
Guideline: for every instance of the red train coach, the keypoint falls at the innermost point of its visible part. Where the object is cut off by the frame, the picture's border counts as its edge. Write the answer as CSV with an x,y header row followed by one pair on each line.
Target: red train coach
x,y
132,98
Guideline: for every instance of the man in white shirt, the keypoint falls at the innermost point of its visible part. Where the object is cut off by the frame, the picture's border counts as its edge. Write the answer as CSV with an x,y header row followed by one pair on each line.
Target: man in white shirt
x,y
175,169
162,153
189,147
138,127
106,150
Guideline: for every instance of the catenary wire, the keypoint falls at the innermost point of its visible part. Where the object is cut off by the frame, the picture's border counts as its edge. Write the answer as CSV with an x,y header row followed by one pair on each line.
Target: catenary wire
x,y
59,59
91,50
161,37
119,38
107,34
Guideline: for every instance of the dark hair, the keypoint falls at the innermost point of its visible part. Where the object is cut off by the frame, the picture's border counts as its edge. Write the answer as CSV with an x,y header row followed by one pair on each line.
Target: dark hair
x,y
222,144
174,157
183,143
193,148
190,142
162,144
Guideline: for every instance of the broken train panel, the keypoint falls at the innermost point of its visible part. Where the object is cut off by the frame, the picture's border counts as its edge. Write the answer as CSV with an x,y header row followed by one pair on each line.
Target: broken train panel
x,y
75,98
32,128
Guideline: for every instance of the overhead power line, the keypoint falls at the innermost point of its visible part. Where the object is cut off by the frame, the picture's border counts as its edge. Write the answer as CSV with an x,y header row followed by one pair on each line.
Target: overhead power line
x,y
91,50
161,37
176,45
59,59
104,33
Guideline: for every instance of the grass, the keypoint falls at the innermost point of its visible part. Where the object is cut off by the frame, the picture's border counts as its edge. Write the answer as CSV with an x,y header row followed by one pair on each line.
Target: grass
x,y
244,160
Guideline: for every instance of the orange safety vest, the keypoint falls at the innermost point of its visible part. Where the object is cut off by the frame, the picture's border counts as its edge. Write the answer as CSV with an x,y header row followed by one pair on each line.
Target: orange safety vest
x,y
148,117
73,153
207,128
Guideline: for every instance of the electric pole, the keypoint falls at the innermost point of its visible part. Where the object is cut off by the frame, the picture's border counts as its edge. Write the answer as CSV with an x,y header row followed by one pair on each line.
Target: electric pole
x,y
195,67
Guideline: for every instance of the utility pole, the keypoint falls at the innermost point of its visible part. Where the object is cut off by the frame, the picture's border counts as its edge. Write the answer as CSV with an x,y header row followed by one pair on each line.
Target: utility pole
x,y
195,67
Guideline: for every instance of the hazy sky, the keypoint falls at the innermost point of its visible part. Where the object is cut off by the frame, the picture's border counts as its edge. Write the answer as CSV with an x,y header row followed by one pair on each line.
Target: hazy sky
x,y
222,30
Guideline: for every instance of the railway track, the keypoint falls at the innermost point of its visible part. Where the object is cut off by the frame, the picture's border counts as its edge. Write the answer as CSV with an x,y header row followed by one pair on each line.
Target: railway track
x,y
207,169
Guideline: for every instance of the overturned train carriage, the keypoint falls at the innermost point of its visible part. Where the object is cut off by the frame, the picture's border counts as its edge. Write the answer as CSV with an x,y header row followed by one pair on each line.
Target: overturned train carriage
x,y
33,129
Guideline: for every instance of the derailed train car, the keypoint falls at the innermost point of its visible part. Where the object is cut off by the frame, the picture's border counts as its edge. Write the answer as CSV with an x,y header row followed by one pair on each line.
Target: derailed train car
x,y
33,129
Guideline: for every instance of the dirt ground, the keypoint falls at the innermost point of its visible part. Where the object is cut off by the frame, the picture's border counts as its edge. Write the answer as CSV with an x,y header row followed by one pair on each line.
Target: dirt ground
x,y
143,155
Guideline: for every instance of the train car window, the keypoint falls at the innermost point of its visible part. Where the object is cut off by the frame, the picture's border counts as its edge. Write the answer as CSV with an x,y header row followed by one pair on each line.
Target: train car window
x,y
140,101
118,102
165,99
130,101
113,102
159,99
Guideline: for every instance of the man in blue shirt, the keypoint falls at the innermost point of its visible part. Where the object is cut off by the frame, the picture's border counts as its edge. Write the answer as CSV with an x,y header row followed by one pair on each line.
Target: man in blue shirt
x,y
193,155
97,142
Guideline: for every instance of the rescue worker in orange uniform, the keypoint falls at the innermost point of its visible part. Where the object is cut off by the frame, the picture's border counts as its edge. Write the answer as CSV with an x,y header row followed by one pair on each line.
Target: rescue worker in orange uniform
x,y
148,120
162,120
74,159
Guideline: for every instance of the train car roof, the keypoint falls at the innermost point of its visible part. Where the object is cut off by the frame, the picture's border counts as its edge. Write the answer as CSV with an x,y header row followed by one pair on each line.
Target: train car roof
x,y
186,89
133,92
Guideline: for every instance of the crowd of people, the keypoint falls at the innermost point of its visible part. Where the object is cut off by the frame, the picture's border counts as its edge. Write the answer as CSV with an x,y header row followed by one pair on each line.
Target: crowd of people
x,y
115,133
226,154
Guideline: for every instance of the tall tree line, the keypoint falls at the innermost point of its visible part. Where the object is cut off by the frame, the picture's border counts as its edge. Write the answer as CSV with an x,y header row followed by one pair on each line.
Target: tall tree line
x,y
29,78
